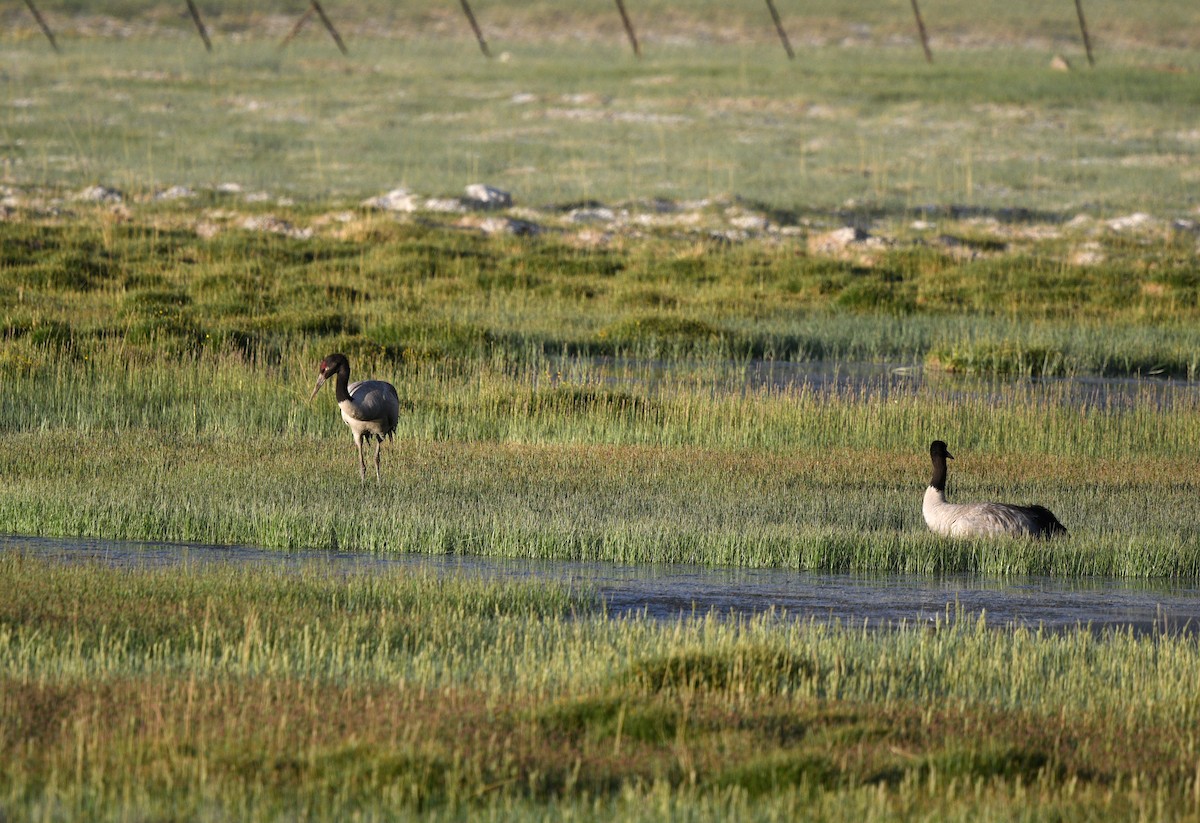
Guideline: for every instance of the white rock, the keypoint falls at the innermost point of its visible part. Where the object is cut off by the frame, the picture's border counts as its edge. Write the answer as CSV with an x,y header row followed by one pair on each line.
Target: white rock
x,y
729,236
600,214
100,194
447,205
207,230
175,193
750,222
273,225
1089,254
506,225
836,240
847,243
395,200
592,238
1132,222
488,197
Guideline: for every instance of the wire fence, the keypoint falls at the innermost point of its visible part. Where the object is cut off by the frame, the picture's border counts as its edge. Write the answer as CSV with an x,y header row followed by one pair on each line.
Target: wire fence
x,y
316,10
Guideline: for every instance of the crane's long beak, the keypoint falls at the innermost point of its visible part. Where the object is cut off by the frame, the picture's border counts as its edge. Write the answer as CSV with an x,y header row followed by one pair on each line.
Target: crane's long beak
x,y
320,383
949,456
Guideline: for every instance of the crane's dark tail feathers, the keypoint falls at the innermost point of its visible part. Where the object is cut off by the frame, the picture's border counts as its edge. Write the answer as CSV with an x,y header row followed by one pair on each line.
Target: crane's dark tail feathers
x,y
1046,523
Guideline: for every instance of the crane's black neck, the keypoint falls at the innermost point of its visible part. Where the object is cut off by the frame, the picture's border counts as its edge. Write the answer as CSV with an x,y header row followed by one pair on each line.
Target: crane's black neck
x,y
939,472
341,382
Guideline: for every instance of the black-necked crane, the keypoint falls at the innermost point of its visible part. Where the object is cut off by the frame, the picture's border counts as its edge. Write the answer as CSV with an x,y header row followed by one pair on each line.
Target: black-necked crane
x,y
980,519
369,407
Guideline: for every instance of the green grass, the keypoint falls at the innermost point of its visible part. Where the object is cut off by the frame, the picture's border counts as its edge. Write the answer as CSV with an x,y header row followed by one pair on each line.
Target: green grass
x,y
395,294
262,693
584,393
867,128
491,464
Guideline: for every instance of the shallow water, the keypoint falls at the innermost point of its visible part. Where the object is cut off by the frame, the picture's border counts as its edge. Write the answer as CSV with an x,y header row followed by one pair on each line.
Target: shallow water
x,y
882,379
665,592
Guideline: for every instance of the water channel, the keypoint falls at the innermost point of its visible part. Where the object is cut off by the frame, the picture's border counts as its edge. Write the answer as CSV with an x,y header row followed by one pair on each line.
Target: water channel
x,y
666,592
881,379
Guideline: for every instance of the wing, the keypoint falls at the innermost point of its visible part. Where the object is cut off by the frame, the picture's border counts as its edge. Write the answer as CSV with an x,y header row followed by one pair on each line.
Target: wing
x,y
1044,523
1001,518
376,400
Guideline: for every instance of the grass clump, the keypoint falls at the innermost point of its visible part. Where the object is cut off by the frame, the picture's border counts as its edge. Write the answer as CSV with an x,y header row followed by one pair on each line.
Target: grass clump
x,y
756,670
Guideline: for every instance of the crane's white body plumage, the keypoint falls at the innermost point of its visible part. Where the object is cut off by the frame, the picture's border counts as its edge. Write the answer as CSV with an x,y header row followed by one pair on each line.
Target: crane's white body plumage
x,y
371,408
980,519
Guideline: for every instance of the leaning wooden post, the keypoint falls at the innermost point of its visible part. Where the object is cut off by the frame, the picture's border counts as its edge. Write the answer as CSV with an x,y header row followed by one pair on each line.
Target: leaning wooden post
x,y
629,28
787,46
329,26
475,28
1087,41
291,35
195,12
922,32
37,15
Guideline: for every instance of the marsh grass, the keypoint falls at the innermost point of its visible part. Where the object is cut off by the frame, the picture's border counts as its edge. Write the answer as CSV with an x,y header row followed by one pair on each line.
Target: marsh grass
x,y
261,692
157,382
395,294
547,488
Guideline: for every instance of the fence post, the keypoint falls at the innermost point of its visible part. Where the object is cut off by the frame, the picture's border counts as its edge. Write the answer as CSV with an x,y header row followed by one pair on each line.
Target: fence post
x,y
195,12
1087,41
922,32
315,8
787,46
629,28
329,27
37,15
483,46
291,35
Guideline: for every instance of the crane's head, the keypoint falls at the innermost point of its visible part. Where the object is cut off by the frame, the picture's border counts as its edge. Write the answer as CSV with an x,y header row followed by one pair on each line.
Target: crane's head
x,y
328,367
938,449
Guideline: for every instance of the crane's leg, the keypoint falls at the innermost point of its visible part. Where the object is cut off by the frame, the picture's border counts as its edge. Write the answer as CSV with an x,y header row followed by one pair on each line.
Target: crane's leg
x,y
362,462
378,444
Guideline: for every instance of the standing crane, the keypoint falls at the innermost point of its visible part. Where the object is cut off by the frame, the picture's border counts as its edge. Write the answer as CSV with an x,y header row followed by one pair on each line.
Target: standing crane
x,y
369,407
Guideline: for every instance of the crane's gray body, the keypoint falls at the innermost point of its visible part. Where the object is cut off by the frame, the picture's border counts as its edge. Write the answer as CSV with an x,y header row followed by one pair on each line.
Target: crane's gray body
x,y
985,519
371,410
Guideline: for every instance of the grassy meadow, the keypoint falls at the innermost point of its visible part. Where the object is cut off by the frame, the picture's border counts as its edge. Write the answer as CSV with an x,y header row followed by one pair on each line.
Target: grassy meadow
x,y
264,694
565,114
605,371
